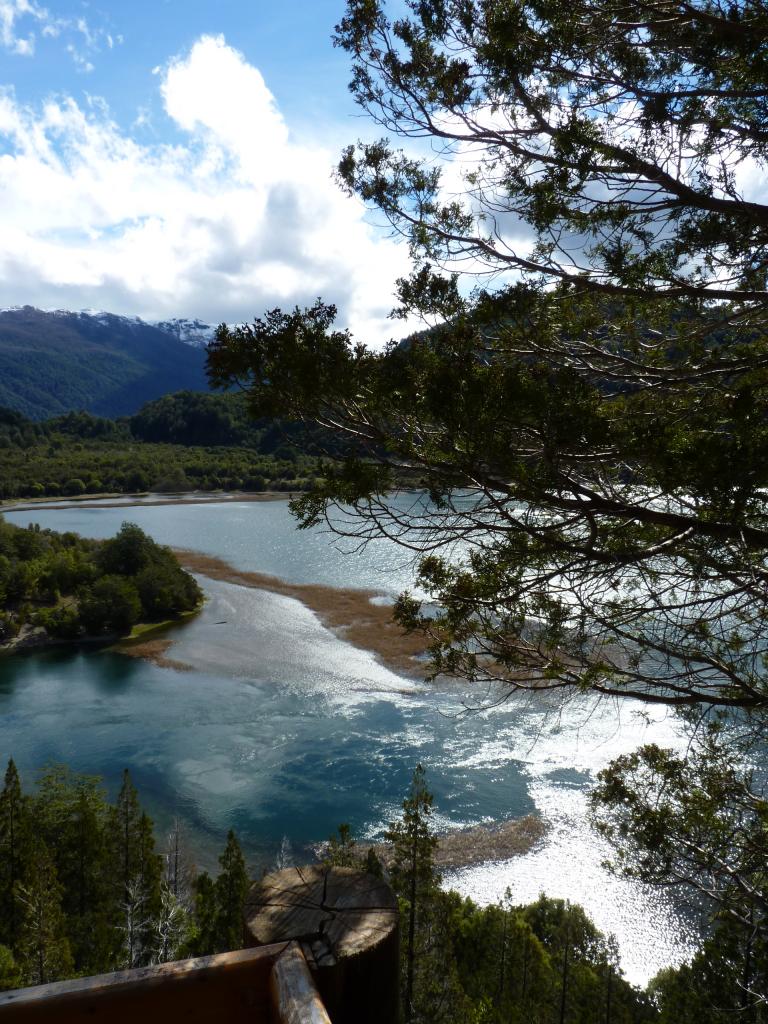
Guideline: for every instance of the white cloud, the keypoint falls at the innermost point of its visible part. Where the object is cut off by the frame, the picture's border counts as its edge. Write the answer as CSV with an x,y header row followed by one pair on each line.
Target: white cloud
x,y
20,18
237,217
81,62
12,13
215,92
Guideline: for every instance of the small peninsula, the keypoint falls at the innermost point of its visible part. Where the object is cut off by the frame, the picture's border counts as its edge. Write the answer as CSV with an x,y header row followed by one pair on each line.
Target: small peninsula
x,y
59,588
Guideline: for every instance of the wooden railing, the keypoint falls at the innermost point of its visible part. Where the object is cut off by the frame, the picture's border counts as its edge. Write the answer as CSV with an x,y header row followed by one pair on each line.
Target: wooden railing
x,y
248,986
325,950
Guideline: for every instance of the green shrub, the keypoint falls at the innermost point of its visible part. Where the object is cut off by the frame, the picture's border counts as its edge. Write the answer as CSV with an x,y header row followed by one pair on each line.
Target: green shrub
x,y
110,605
61,621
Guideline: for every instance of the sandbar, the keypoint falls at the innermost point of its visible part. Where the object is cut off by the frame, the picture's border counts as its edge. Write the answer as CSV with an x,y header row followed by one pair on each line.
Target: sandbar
x,y
153,649
350,613
136,501
497,841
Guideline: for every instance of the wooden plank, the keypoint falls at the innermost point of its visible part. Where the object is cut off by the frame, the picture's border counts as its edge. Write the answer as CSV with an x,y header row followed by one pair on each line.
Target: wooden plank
x,y
232,987
295,998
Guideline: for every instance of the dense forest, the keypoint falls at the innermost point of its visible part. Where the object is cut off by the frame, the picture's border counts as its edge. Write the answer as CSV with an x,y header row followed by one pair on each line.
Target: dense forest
x,y
84,888
543,963
68,587
181,442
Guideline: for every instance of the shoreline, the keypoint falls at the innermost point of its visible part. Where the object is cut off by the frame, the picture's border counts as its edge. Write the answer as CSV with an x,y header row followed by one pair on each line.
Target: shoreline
x,y
152,649
151,641
353,616
31,639
349,613
98,500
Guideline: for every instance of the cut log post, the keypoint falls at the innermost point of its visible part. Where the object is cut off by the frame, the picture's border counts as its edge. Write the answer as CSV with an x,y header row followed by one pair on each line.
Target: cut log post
x,y
347,923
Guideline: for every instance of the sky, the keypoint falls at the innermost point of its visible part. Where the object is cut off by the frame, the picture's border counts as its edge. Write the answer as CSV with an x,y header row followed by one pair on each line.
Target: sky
x,y
174,158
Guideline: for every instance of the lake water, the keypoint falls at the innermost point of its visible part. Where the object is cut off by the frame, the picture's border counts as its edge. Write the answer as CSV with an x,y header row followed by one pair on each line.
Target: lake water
x,y
281,730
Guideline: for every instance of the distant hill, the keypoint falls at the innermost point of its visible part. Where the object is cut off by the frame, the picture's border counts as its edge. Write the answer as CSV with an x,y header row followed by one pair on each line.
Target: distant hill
x,y
54,362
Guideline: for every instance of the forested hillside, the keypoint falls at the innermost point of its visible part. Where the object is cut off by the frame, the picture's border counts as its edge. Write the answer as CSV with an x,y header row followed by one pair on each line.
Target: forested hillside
x,y
187,441
51,363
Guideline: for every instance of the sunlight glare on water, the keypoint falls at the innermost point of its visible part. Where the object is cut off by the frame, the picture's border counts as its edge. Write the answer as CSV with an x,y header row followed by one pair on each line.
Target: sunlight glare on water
x,y
282,730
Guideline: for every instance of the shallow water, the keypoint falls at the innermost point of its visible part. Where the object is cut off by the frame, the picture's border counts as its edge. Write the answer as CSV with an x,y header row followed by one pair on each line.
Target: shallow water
x,y
282,730
253,536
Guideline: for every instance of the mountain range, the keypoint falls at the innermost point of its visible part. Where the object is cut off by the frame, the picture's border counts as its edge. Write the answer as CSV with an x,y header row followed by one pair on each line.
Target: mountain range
x,y
109,365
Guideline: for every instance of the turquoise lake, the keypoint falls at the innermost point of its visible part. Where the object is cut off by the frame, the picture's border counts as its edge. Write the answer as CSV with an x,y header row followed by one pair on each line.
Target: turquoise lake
x,y
282,730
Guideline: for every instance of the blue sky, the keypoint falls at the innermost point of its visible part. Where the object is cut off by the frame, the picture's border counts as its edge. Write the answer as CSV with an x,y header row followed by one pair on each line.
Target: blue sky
x,y
174,158
290,43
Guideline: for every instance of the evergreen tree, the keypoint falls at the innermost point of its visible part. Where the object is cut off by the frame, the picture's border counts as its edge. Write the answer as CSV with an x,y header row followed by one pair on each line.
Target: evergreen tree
x,y
203,939
15,852
413,877
87,891
10,975
172,927
42,947
231,888
178,870
137,871
71,813
150,866
592,430
371,863
341,850
611,972
91,894
503,967
582,961
597,408
725,981
126,833
699,821
175,928
136,925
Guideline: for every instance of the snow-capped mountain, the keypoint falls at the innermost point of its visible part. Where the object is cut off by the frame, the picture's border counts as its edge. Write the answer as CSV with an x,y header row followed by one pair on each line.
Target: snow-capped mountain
x,y
55,361
191,332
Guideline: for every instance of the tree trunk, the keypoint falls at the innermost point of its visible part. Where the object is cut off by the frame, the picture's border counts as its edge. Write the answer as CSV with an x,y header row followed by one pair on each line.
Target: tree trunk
x,y
411,950
564,988
502,965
